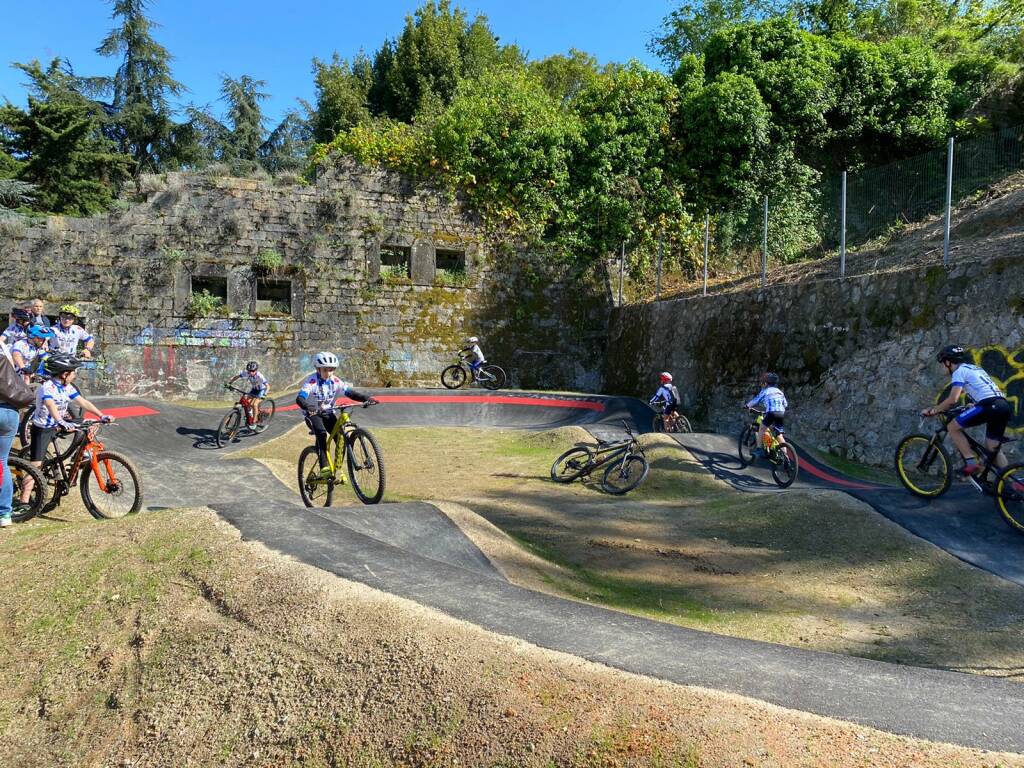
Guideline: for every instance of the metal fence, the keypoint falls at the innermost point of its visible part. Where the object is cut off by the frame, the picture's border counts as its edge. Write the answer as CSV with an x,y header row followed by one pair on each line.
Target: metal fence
x,y
849,212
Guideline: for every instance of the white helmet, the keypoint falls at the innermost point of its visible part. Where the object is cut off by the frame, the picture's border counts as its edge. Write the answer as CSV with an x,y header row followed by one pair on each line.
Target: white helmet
x,y
473,340
665,377
326,360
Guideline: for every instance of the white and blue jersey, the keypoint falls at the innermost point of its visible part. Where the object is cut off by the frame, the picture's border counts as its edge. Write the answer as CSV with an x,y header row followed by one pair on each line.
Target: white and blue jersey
x,y
975,382
257,382
474,356
14,333
32,355
771,400
323,391
667,393
68,338
60,395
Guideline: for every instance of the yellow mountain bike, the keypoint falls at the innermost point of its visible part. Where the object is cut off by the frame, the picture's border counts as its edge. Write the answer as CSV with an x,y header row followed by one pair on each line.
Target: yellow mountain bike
x,y
352,446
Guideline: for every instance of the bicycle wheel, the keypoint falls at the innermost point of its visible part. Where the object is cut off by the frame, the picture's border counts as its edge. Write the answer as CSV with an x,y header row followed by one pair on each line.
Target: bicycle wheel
x,y
923,466
572,464
1010,496
453,377
658,424
622,476
365,464
314,491
229,427
747,444
495,378
25,426
21,470
785,465
682,424
113,489
267,411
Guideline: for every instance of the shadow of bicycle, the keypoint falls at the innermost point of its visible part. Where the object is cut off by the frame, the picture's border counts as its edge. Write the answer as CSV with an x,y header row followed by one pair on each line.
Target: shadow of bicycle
x,y
203,439
727,468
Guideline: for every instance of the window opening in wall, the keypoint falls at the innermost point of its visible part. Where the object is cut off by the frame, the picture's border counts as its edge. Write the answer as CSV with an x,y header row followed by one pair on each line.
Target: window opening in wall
x,y
394,262
215,286
274,297
450,267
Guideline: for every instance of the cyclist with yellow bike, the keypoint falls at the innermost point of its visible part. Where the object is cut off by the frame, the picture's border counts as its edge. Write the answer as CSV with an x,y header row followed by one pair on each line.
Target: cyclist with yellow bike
x,y
317,397
773,402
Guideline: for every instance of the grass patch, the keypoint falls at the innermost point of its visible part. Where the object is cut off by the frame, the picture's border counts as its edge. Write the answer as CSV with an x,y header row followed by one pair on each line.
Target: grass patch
x,y
855,469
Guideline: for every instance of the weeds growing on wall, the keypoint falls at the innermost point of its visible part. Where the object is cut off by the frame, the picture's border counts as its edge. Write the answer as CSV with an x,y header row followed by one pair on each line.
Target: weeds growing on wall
x,y
203,304
267,260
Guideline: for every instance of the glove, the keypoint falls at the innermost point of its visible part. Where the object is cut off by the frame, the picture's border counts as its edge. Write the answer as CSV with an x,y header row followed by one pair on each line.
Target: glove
x,y
106,419
67,426
371,401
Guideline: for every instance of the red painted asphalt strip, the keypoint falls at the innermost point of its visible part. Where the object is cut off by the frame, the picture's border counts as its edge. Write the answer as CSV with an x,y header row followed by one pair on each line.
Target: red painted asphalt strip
x,y
125,412
806,466
547,402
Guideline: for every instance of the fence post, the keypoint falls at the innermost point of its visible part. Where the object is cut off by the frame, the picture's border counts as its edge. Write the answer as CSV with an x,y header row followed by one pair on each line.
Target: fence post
x,y
707,230
764,246
842,228
949,201
657,285
622,269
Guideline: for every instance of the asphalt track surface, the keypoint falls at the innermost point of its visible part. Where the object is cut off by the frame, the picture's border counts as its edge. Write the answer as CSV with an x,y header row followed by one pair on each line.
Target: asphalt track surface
x,y
414,551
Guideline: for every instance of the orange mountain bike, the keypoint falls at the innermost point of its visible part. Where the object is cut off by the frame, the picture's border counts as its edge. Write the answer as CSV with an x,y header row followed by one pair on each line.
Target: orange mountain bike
x,y
108,481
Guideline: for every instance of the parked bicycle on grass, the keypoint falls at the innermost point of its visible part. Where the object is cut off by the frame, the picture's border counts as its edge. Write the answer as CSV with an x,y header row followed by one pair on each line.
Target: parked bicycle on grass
x,y
780,455
626,462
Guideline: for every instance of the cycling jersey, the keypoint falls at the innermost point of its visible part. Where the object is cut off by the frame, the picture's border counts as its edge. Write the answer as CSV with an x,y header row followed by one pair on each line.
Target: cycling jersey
x,y
323,391
14,333
29,353
68,338
975,382
474,354
61,397
771,400
257,382
668,393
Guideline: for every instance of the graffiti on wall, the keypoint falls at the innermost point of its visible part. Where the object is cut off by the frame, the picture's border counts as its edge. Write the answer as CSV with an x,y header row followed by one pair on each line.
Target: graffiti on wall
x,y
220,333
1006,368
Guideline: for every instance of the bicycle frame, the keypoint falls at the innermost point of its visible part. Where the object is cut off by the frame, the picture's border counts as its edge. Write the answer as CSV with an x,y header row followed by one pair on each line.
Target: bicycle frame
x,y
977,446
94,447
336,458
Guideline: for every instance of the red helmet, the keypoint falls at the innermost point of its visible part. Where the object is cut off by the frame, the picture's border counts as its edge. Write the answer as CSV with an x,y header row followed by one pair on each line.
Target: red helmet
x,y
665,377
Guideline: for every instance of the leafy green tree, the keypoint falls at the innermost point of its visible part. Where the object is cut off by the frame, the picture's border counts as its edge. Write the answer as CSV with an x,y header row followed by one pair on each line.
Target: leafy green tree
x,y
506,142
687,29
342,95
564,77
141,121
59,144
245,117
287,146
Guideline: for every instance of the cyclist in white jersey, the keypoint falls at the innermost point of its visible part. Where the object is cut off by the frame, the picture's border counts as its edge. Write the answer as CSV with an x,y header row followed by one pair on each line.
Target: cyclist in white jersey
x,y
21,320
318,395
258,387
990,407
70,334
30,352
774,404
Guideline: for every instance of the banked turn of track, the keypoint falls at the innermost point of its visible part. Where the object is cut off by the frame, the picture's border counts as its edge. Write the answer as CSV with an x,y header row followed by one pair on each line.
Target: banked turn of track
x,y
414,551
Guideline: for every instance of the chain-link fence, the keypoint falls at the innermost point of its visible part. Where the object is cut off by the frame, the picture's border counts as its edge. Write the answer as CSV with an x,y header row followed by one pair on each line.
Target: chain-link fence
x,y
845,225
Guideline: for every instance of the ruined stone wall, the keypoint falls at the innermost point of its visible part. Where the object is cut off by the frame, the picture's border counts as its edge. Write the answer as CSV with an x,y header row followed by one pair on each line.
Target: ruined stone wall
x,y
856,357
134,270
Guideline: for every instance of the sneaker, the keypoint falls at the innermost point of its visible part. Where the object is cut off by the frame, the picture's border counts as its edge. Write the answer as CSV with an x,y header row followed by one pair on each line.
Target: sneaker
x,y
5,521
971,468
326,473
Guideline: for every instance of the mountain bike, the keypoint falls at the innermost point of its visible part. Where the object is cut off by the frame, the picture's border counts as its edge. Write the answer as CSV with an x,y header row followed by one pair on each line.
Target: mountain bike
x,y
22,470
361,455
925,469
669,422
627,463
781,456
108,481
242,414
488,376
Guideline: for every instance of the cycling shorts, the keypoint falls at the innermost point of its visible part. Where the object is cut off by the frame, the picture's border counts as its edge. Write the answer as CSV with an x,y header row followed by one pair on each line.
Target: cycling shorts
x,y
40,440
258,392
993,412
775,419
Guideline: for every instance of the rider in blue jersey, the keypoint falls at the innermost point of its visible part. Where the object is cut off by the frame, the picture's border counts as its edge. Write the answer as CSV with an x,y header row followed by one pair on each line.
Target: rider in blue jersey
x,y
990,407
773,402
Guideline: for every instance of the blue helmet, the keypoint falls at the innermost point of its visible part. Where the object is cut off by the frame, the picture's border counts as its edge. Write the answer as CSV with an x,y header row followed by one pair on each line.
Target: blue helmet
x,y
39,332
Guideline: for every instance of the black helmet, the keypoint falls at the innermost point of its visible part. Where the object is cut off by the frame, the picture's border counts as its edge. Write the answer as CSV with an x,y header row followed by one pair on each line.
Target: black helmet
x,y
60,363
252,366
954,353
20,313
771,379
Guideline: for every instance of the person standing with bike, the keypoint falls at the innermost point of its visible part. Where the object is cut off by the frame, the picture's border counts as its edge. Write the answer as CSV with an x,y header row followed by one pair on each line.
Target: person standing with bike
x,y
773,402
14,394
53,399
990,407
258,389
317,397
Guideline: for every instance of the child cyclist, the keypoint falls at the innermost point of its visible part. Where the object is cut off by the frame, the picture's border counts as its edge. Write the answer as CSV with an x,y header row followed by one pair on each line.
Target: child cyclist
x,y
473,355
316,398
258,388
30,352
990,406
70,333
773,402
667,394
52,401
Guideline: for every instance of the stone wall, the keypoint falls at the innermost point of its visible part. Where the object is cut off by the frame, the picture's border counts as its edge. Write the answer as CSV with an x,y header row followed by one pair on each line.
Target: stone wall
x,y
856,357
134,270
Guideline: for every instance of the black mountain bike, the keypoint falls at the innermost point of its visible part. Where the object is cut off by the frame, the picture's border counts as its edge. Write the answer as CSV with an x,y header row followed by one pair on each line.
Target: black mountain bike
x,y
925,469
627,464
488,376
781,456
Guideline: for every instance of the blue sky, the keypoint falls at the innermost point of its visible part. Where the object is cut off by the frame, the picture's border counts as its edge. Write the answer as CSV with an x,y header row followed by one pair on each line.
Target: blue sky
x,y
276,41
